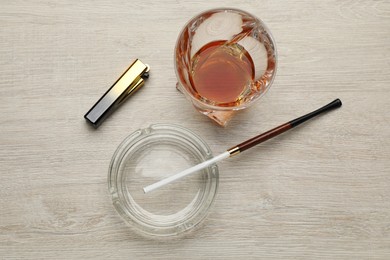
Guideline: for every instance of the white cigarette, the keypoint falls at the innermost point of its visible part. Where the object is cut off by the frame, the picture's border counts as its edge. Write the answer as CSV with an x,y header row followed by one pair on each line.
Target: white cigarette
x,y
186,172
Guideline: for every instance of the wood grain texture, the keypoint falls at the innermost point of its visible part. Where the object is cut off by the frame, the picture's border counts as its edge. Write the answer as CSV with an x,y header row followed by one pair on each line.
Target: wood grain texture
x,y
318,192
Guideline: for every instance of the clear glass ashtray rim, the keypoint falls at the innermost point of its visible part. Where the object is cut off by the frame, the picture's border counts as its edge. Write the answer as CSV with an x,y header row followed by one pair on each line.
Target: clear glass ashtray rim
x,y
203,200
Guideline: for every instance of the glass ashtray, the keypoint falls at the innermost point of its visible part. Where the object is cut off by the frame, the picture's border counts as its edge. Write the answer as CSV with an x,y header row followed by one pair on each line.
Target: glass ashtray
x,y
149,155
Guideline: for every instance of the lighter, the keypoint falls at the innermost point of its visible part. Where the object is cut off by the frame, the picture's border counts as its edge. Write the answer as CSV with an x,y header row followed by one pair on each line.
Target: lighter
x,y
130,81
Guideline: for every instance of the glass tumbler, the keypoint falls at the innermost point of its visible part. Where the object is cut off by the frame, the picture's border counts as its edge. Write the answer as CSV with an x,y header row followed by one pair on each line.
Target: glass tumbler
x,y
225,59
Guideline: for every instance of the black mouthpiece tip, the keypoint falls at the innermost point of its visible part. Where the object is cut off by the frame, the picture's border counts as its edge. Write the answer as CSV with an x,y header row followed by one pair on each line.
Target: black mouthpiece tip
x,y
332,105
337,102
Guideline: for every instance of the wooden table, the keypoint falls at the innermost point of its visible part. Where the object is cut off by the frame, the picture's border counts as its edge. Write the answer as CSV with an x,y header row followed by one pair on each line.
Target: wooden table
x,y
319,191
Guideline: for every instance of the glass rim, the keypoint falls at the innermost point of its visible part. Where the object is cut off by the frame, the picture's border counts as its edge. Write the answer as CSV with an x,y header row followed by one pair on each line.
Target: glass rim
x,y
201,104
153,224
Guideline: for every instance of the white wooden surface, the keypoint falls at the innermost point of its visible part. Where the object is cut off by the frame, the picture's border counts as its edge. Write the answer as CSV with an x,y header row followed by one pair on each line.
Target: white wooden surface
x,y
320,191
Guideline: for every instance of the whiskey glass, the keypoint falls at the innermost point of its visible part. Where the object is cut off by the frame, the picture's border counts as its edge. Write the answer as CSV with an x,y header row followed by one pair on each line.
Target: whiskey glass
x,y
225,59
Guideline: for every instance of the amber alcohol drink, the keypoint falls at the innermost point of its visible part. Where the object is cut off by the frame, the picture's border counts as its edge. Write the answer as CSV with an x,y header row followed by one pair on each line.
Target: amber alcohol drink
x,y
221,73
225,60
